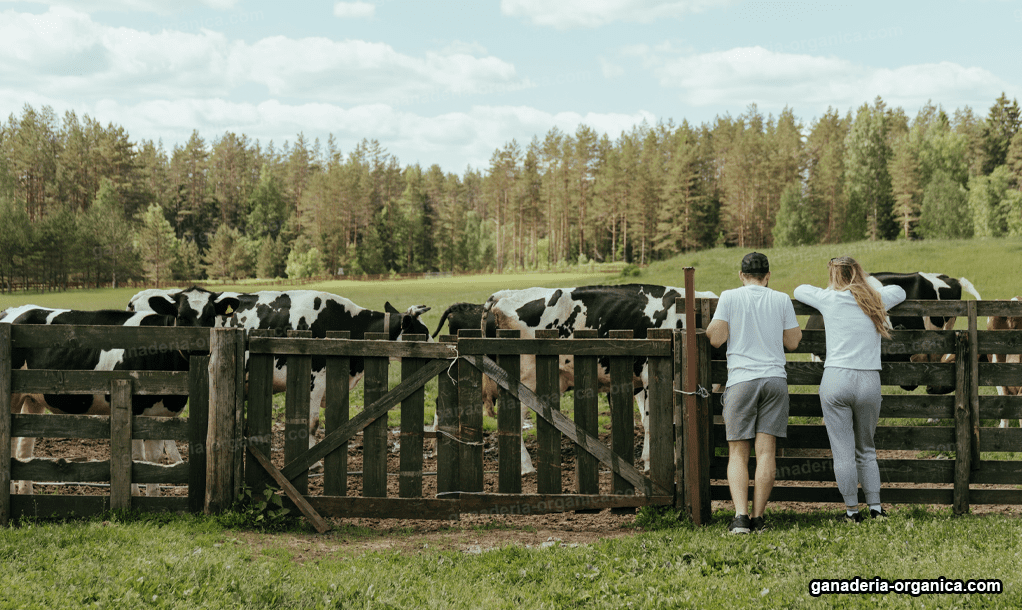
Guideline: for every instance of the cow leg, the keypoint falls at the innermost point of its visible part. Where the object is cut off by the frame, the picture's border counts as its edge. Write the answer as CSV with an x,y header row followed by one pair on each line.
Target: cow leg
x,y
317,401
527,467
24,447
642,399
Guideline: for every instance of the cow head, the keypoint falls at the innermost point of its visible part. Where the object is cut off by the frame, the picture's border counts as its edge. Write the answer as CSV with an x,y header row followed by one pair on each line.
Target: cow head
x,y
407,323
194,306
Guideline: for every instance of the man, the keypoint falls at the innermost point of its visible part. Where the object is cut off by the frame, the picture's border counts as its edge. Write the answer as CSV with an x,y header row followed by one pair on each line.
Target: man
x,y
758,324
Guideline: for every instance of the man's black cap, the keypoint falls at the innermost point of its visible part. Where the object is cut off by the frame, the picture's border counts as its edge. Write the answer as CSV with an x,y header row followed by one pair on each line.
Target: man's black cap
x,y
754,262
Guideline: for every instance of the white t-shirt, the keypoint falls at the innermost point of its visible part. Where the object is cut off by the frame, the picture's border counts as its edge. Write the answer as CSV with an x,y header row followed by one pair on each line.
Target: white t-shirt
x,y
852,339
757,318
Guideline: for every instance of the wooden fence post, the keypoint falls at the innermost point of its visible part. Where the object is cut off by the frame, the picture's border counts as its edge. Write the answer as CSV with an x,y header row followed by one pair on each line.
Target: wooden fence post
x,y
963,423
470,404
411,432
374,436
223,388
338,372
680,455
973,355
5,424
704,406
120,444
198,428
587,472
660,403
548,389
622,416
297,409
448,477
694,424
509,424
260,415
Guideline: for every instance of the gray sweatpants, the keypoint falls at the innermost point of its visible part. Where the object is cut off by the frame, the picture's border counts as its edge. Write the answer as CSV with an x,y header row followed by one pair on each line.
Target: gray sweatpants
x,y
851,408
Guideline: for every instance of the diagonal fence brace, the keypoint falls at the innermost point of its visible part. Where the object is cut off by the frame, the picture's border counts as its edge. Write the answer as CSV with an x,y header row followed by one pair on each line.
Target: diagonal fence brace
x,y
303,505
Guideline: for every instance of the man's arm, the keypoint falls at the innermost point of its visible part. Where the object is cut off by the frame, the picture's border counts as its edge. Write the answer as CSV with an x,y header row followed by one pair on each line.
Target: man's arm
x,y
791,338
717,333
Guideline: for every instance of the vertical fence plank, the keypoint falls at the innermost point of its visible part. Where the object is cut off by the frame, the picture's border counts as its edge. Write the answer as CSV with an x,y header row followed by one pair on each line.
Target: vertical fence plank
x,y
704,410
338,372
198,427
448,477
974,383
963,423
470,404
5,424
548,389
222,403
660,402
680,455
693,425
260,414
412,414
509,424
240,347
622,416
587,473
297,409
120,444
374,437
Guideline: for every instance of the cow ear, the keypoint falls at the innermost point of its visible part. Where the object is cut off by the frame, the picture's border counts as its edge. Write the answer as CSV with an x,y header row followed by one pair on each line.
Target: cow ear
x,y
225,306
417,310
163,305
390,308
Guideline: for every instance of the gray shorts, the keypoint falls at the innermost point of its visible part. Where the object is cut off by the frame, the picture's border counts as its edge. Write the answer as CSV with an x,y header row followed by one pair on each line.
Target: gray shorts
x,y
760,405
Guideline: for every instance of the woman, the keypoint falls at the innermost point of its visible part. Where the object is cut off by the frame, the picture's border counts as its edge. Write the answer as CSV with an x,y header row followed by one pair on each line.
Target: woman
x,y
854,308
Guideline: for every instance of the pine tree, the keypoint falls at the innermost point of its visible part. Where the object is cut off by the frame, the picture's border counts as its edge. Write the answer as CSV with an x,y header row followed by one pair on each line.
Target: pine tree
x,y
867,178
156,244
945,213
795,224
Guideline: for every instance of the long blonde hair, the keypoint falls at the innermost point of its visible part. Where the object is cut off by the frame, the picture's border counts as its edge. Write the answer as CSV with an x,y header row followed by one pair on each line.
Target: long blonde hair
x,y
847,274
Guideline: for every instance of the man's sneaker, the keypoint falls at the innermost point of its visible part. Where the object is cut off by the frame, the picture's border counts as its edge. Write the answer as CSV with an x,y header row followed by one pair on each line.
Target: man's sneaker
x,y
740,525
759,524
856,518
878,514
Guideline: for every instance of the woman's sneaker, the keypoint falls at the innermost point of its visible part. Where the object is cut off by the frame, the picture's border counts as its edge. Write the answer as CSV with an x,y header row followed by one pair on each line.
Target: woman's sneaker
x,y
741,524
878,514
759,524
856,518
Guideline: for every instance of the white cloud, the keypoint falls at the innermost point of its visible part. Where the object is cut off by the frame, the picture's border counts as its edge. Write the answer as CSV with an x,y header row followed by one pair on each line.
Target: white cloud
x,y
740,76
354,10
565,14
64,52
146,6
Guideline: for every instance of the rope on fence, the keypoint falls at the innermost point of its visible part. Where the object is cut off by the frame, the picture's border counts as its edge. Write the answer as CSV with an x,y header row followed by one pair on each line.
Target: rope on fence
x,y
701,392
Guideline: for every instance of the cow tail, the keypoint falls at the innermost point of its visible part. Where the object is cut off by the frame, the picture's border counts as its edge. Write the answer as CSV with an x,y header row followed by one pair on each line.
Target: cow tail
x,y
443,320
967,285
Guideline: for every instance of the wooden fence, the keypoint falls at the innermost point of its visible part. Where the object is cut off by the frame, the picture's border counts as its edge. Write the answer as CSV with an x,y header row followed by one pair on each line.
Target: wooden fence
x,y
965,479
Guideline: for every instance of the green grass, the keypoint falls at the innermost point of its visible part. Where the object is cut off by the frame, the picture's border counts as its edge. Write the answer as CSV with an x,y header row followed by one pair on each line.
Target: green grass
x,y
192,563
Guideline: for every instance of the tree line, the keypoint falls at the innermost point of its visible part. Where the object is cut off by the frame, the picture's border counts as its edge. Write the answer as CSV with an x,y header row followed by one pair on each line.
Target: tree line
x,y
83,204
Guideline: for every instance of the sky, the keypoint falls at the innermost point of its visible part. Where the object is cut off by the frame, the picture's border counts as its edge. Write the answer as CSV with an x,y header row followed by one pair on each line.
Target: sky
x,y
448,82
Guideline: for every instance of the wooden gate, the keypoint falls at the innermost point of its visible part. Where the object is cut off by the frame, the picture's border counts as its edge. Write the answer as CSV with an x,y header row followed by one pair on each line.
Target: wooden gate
x,y
459,364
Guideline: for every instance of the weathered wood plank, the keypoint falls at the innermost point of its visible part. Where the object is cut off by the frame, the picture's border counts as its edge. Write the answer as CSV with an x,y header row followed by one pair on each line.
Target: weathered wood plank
x,y
260,414
587,473
1000,439
352,348
120,444
997,472
999,374
448,428
706,432
895,495
963,424
913,438
307,510
891,373
220,436
40,505
565,347
296,409
385,508
198,428
995,307
5,424
509,424
891,406
60,470
374,436
98,382
901,342
998,407
999,341
568,428
136,340
149,428
539,504
470,402
622,412
357,423
660,403
338,411
548,390
919,471
906,308
995,496
412,414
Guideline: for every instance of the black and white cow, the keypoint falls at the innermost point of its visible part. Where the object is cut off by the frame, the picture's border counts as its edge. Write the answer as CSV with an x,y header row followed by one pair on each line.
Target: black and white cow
x,y
1006,323
469,316
635,307
319,312
923,287
160,313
